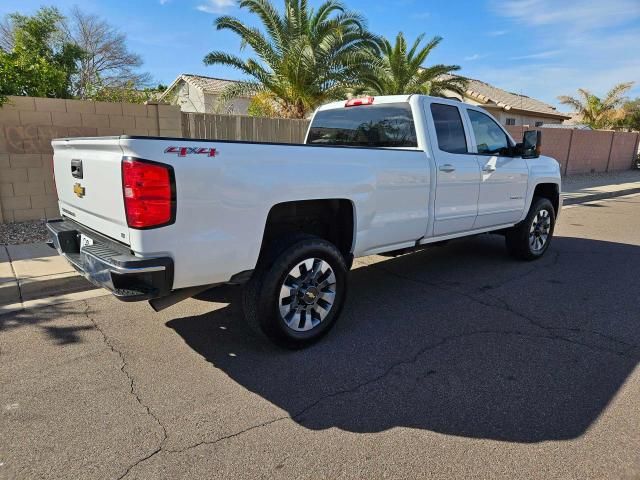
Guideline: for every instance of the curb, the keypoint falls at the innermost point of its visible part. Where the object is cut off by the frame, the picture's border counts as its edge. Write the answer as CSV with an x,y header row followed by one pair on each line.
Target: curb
x,y
53,285
598,196
52,301
30,275
29,289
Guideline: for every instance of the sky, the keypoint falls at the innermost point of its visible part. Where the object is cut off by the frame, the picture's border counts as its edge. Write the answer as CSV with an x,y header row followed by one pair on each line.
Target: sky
x,y
540,48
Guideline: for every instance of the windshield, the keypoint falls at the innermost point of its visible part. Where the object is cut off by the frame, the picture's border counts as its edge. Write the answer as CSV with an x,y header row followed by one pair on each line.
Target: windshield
x,y
385,125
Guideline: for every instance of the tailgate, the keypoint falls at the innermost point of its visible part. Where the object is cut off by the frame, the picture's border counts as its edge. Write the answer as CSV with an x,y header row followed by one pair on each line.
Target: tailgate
x,y
88,176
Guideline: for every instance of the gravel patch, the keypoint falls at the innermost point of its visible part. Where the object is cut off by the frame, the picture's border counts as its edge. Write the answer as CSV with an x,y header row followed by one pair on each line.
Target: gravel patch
x,y
23,232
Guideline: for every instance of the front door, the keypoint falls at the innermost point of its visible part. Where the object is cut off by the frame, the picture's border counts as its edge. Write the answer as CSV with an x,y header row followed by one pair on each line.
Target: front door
x,y
457,172
503,185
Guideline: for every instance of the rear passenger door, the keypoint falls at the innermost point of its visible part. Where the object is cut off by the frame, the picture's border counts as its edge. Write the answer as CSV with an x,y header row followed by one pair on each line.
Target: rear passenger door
x,y
503,187
457,171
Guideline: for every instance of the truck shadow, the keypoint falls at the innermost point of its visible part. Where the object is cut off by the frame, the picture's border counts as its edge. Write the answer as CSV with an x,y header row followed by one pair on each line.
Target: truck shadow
x,y
459,340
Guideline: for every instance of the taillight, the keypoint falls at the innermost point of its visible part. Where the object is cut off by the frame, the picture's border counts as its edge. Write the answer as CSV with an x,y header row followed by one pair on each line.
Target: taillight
x,y
149,193
356,102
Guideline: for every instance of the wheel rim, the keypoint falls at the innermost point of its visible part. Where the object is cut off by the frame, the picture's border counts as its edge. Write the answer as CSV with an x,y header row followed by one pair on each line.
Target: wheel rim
x,y
540,231
307,295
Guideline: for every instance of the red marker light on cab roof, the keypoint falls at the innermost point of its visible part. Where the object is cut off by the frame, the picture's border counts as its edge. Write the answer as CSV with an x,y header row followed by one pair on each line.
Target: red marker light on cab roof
x,y
357,102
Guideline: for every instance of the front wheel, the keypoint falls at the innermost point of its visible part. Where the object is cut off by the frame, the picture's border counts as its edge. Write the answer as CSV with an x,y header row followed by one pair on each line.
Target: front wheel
x,y
297,297
530,239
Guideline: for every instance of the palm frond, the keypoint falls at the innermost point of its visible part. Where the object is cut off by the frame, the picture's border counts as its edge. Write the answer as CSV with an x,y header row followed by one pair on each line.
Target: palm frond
x,y
399,70
572,102
615,97
302,57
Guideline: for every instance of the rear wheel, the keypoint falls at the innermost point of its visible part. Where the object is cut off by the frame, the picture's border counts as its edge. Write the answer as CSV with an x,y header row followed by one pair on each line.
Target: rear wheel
x,y
296,298
530,239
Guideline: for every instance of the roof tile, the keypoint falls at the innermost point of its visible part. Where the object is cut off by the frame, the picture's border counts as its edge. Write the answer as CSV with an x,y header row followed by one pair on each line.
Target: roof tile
x,y
507,100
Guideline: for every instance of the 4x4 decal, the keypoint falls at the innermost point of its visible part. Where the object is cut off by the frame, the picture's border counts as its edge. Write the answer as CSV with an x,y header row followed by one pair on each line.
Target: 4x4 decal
x,y
184,151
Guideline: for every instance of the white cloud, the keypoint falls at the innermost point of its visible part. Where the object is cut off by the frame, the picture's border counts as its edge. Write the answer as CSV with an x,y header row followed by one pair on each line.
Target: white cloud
x,y
537,56
497,33
163,2
216,6
475,56
569,44
573,14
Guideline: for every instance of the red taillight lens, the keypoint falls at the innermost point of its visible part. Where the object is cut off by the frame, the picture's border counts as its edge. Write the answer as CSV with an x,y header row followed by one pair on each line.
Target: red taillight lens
x,y
149,193
356,102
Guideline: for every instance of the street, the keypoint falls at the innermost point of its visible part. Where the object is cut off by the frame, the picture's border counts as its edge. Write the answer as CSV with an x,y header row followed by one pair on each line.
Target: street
x,y
453,362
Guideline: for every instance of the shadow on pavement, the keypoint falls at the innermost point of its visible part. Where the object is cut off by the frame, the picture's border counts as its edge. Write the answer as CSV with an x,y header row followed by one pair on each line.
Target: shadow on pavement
x,y
45,319
460,340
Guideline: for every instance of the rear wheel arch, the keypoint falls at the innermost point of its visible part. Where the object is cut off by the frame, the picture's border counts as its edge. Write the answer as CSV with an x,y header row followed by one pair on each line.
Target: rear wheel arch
x,y
333,220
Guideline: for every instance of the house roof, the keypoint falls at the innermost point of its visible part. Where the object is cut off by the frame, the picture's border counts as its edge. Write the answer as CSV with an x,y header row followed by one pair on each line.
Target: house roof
x,y
477,90
210,85
566,126
485,93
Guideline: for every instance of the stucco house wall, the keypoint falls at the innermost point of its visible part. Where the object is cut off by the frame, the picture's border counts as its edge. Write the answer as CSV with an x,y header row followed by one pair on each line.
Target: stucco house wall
x,y
520,118
193,98
507,107
237,106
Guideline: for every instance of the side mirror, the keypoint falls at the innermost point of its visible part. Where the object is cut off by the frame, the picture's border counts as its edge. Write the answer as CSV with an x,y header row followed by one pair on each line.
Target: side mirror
x,y
531,144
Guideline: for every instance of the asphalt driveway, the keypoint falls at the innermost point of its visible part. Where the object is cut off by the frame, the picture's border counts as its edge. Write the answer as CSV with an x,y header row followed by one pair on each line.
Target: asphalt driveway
x,y
453,362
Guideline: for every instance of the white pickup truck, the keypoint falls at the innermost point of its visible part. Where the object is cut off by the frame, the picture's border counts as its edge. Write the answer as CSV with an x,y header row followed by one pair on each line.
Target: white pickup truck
x,y
162,219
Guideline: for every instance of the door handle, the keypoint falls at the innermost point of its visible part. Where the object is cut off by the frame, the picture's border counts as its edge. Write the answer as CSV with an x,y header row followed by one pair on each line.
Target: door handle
x,y
489,168
448,168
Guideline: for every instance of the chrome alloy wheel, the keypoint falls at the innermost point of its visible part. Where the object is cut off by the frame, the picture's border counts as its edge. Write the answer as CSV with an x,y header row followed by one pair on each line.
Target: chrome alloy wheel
x,y
539,231
307,294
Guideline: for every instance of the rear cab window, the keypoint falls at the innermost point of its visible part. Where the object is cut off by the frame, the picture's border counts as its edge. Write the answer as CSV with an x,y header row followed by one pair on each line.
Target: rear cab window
x,y
449,128
383,125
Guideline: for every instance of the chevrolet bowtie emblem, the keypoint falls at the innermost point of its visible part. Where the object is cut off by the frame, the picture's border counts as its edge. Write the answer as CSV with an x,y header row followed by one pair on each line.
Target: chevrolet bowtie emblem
x,y
78,190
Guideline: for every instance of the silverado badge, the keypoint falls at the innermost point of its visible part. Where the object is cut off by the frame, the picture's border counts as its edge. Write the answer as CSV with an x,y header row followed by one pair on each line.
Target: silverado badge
x,y
78,190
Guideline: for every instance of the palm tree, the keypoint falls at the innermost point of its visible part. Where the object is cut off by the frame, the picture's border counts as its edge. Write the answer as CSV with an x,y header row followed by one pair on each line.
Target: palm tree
x,y
400,70
304,57
596,112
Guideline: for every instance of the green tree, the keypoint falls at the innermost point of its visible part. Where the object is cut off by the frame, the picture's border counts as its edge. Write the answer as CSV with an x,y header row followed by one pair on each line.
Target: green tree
x,y
303,57
401,70
597,112
630,113
40,63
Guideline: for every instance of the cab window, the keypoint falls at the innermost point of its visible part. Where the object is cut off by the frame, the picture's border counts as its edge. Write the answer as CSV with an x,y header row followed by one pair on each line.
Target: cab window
x,y
384,125
449,128
490,138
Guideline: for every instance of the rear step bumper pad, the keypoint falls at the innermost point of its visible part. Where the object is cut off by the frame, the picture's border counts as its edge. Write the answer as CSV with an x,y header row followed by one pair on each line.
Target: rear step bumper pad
x,y
110,265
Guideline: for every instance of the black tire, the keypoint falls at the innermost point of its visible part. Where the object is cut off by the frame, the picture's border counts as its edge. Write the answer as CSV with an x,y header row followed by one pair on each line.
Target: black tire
x,y
261,298
518,239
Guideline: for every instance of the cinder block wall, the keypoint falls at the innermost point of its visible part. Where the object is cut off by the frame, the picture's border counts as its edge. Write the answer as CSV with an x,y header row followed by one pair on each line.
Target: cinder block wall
x,y
27,126
586,151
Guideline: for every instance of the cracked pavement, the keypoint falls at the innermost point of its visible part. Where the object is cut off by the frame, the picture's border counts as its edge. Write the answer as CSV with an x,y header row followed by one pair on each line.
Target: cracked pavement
x,y
452,362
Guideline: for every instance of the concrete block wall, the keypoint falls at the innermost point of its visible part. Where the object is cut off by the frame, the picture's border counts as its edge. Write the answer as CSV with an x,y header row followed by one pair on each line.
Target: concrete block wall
x,y
589,151
586,151
27,126
623,143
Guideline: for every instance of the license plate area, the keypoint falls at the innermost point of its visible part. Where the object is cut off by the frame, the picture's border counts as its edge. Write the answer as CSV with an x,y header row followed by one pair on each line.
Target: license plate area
x,y
85,241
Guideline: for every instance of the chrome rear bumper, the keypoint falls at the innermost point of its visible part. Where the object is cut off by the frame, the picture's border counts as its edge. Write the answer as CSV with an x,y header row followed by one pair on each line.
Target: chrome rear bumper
x,y
111,265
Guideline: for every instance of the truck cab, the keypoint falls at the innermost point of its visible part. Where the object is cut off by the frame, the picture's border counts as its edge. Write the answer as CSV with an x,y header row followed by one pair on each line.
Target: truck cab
x,y
483,178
